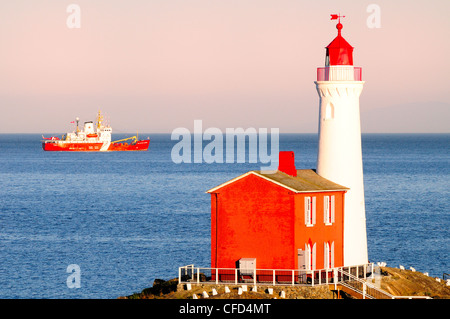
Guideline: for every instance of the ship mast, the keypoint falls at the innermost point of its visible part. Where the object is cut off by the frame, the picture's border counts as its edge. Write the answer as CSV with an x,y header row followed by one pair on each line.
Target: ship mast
x,y
99,120
78,120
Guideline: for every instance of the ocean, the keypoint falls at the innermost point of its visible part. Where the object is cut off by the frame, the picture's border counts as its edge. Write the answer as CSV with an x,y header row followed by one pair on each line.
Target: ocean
x,y
127,218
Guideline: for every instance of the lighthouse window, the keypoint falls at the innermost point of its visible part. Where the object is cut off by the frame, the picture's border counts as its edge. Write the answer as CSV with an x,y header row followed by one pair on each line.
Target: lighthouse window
x,y
328,209
329,111
310,210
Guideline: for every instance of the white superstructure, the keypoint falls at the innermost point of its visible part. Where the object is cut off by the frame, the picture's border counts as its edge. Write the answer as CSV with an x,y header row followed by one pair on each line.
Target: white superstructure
x,y
97,133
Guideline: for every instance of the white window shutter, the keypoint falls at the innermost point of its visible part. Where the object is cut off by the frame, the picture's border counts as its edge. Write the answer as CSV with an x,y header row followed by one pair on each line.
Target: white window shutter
x,y
332,209
325,255
314,256
326,209
332,254
307,257
307,210
313,210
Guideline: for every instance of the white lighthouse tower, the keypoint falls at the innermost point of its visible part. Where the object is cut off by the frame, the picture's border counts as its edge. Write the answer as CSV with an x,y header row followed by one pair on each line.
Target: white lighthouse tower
x,y
339,156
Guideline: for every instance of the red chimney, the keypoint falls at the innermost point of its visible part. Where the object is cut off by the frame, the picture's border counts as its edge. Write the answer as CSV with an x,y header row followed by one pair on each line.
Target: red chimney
x,y
286,163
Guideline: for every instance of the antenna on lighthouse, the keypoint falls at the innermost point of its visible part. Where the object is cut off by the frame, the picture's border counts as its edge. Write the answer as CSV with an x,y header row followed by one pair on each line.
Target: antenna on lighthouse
x,y
339,25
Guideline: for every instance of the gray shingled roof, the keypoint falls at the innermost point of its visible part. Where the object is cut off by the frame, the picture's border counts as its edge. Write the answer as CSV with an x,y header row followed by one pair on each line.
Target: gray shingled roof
x,y
307,180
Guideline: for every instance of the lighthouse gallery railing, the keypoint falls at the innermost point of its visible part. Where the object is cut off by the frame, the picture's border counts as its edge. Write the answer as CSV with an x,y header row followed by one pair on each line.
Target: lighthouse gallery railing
x,y
339,73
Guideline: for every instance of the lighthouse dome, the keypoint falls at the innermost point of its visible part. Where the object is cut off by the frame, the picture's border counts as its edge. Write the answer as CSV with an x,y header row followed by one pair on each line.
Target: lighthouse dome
x,y
339,51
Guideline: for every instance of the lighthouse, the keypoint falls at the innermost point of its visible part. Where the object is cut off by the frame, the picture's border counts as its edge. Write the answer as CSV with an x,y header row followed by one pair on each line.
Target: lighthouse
x,y
301,220
339,158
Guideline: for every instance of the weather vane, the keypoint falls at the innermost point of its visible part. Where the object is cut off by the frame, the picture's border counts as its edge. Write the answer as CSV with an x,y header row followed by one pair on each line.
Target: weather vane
x,y
337,17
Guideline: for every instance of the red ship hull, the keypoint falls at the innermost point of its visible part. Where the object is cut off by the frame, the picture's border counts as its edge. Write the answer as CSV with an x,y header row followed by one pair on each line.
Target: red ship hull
x,y
61,146
138,146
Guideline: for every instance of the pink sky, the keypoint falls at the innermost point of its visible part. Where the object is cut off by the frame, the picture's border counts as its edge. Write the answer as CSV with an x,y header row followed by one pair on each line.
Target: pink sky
x,y
154,65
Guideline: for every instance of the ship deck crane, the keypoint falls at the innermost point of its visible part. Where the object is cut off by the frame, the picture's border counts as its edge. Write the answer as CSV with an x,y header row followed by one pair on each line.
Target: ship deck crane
x,y
134,138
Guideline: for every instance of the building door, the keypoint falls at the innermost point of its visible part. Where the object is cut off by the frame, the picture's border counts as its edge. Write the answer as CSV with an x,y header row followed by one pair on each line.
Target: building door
x,y
301,259
301,265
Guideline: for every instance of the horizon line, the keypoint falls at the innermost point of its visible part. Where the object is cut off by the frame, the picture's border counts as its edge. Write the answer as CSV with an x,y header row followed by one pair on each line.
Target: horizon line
x,y
285,133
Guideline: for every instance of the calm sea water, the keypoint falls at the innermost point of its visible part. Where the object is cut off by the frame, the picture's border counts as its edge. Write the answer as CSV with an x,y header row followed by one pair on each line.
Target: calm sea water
x,y
127,218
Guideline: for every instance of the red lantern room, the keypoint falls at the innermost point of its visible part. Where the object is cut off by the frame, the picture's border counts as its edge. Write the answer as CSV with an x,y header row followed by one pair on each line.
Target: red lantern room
x,y
339,51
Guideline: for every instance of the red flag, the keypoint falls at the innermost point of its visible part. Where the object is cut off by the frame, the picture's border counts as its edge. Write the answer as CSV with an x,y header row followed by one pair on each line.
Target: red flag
x,y
334,17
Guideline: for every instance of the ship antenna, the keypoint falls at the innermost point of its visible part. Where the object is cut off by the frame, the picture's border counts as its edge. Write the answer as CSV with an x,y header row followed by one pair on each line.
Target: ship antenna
x,y
77,119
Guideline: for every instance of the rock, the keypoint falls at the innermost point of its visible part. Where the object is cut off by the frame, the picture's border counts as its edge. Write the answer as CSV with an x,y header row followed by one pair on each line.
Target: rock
x,y
163,287
158,282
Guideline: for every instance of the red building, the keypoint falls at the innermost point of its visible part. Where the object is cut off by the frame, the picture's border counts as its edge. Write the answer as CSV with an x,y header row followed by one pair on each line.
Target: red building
x,y
290,219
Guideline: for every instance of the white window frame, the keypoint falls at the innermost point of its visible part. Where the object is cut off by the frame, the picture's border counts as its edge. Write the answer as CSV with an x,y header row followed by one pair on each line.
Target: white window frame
x,y
310,257
310,211
328,255
332,255
328,210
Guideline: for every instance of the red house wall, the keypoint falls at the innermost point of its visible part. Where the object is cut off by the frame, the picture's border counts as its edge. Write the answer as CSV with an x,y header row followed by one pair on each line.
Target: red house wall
x,y
252,218
255,218
320,233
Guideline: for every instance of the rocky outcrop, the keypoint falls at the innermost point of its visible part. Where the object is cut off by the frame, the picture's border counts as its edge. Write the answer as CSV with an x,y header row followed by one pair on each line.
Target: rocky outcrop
x,y
398,282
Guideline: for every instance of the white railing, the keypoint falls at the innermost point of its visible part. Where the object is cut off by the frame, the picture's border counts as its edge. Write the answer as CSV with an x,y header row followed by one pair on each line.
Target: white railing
x,y
352,277
369,290
362,287
339,73
274,277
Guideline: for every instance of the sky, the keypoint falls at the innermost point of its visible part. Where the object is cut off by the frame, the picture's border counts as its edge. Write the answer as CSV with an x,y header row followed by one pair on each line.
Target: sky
x,y
157,65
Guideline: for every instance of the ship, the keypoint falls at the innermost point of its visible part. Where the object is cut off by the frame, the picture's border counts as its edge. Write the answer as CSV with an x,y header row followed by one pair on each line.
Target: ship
x,y
94,137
